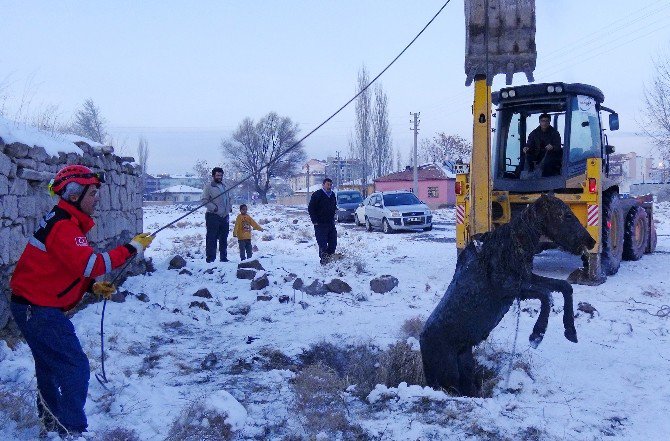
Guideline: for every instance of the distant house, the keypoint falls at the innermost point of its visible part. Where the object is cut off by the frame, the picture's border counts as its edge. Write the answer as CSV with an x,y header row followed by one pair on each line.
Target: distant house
x,y
312,172
436,184
177,194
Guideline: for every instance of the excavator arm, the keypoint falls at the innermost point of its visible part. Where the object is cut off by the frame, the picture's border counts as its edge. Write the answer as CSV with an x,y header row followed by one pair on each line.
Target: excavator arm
x,y
500,39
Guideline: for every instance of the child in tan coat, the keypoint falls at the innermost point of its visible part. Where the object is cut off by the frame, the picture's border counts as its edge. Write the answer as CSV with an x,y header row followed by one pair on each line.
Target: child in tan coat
x,y
242,230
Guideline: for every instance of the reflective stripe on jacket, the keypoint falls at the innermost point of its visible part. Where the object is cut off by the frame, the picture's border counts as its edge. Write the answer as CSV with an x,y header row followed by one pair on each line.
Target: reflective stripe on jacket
x,y
58,265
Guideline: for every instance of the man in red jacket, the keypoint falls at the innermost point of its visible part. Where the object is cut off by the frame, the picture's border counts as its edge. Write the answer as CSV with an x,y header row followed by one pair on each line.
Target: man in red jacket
x,y
55,270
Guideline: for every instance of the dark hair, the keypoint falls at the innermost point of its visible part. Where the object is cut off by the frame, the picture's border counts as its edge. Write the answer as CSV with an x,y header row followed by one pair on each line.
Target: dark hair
x,y
216,170
327,180
243,206
544,115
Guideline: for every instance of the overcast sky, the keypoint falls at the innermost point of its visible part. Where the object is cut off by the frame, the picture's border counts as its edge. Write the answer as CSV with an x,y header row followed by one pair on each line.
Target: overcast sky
x,y
184,74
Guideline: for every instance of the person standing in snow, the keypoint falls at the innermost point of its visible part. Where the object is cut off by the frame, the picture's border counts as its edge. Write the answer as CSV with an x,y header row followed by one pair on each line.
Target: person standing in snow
x,y
242,230
322,207
55,270
217,218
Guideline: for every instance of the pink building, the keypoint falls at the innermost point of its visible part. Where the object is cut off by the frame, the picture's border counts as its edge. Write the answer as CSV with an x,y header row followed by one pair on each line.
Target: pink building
x,y
436,184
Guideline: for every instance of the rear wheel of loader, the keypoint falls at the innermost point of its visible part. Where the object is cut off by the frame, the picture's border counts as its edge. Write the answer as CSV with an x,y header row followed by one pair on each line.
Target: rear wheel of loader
x,y
636,235
651,245
613,229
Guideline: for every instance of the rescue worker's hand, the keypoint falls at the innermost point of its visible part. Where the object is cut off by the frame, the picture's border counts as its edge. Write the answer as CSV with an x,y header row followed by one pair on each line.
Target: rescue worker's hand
x,y
104,290
142,241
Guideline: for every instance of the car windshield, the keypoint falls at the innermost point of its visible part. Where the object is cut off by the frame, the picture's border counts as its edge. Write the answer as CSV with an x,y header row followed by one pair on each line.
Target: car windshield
x,y
349,198
391,200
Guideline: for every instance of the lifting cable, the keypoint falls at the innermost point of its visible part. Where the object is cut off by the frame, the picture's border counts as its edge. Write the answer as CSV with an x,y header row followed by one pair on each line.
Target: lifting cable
x,y
102,378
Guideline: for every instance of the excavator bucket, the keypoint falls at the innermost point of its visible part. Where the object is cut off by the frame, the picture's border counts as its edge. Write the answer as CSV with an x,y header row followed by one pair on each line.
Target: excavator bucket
x,y
499,39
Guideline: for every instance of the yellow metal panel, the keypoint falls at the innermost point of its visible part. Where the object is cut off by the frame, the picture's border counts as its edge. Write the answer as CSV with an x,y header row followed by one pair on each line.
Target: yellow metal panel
x,y
480,165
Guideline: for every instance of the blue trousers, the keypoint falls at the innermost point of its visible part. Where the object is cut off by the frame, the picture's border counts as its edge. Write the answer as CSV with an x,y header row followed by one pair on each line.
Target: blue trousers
x,y
326,237
245,248
61,367
217,231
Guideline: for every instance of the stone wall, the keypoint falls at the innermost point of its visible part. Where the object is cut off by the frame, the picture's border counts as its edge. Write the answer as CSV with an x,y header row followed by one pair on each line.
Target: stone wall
x,y
25,172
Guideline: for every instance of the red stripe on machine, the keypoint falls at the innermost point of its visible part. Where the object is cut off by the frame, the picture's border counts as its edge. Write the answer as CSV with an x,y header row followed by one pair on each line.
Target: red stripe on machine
x,y
592,215
460,214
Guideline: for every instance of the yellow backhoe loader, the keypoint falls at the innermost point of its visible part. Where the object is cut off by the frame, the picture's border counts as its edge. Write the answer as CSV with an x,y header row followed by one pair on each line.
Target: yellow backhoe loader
x,y
502,178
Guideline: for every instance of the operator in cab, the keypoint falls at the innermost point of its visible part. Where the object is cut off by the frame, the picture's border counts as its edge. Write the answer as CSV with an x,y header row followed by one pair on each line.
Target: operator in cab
x,y
543,152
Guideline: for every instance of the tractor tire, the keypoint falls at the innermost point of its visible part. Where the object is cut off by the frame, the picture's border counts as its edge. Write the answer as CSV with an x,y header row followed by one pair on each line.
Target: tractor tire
x,y
636,234
613,233
651,244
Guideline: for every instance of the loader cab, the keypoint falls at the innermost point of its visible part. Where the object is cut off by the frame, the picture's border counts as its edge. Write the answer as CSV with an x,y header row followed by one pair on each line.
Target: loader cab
x,y
574,111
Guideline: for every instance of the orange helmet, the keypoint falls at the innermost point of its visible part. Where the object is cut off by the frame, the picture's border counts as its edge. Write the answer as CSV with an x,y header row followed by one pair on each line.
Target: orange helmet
x,y
75,173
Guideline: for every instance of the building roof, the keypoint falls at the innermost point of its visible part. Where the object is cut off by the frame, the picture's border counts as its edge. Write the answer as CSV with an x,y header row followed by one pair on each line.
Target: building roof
x,y
179,189
426,172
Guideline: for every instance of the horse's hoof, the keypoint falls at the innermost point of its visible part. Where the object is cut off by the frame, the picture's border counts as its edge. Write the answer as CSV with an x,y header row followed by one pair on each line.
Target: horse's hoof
x,y
571,334
535,339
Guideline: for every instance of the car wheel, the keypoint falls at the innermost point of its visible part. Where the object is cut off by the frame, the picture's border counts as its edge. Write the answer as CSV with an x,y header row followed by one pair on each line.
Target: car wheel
x,y
386,228
356,221
368,225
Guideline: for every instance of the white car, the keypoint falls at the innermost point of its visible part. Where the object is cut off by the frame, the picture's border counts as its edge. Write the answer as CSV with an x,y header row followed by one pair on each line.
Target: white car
x,y
396,210
359,213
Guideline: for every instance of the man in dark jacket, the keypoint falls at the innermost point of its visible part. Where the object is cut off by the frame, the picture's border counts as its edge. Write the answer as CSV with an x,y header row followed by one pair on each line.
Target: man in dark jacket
x,y
322,208
217,220
543,149
55,270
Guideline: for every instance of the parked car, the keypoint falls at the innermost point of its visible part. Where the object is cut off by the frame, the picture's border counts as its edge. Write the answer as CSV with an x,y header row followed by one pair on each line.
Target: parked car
x,y
359,214
347,202
397,210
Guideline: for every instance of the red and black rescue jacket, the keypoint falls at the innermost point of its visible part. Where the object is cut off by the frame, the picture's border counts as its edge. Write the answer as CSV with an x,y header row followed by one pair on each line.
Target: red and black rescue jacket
x,y
58,265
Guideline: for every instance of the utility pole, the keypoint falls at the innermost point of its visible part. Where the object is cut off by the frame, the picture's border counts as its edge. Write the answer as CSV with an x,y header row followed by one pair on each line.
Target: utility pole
x,y
337,172
415,129
307,184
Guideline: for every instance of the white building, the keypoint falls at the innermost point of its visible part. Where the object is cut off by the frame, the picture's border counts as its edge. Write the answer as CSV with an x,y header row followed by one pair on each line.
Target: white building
x,y
177,193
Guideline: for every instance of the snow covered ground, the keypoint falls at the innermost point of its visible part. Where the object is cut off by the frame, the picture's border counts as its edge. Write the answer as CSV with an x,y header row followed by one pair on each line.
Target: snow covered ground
x,y
165,358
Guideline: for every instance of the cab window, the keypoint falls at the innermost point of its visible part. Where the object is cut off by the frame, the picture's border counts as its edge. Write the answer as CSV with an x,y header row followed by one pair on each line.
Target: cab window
x,y
585,141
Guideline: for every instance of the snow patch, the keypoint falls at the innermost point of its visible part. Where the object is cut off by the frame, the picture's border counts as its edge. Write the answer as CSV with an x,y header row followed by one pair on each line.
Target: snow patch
x,y
223,403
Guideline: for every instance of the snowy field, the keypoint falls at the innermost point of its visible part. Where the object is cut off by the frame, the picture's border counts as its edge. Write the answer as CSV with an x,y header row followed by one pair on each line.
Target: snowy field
x,y
173,366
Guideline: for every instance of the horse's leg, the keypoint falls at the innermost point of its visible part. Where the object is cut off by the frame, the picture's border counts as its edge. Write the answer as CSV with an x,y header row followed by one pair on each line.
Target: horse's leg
x,y
440,363
466,369
533,291
564,288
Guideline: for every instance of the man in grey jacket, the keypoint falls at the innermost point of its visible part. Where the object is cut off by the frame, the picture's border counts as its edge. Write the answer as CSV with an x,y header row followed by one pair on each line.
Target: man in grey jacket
x,y
216,219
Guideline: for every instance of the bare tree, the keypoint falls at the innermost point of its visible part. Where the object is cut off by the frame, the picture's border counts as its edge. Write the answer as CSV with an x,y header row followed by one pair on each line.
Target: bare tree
x,y
264,150
382,150
143,154
361,144
88,122
48,120
445,147
203,171
399,166
656,112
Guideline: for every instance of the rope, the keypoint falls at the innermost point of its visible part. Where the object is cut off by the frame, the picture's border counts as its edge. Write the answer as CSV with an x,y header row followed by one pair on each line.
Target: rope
x,y
103,378
516,335
43,403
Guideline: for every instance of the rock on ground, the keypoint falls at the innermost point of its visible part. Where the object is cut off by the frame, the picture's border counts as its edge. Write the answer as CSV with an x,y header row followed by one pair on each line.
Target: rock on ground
x,y
383,284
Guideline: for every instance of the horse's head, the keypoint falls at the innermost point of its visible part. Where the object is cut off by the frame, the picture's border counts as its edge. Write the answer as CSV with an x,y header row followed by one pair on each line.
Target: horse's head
x,y
557,221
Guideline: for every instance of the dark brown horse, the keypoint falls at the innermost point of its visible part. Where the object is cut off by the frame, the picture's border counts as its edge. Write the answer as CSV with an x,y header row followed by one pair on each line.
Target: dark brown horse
x,y
490,274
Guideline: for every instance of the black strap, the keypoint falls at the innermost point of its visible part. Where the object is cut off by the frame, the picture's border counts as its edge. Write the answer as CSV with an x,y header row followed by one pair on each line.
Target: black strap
x,y
21,300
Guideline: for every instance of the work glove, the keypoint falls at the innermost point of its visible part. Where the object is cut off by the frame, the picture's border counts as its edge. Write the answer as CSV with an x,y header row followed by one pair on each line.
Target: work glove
x,y
141,241
104,290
